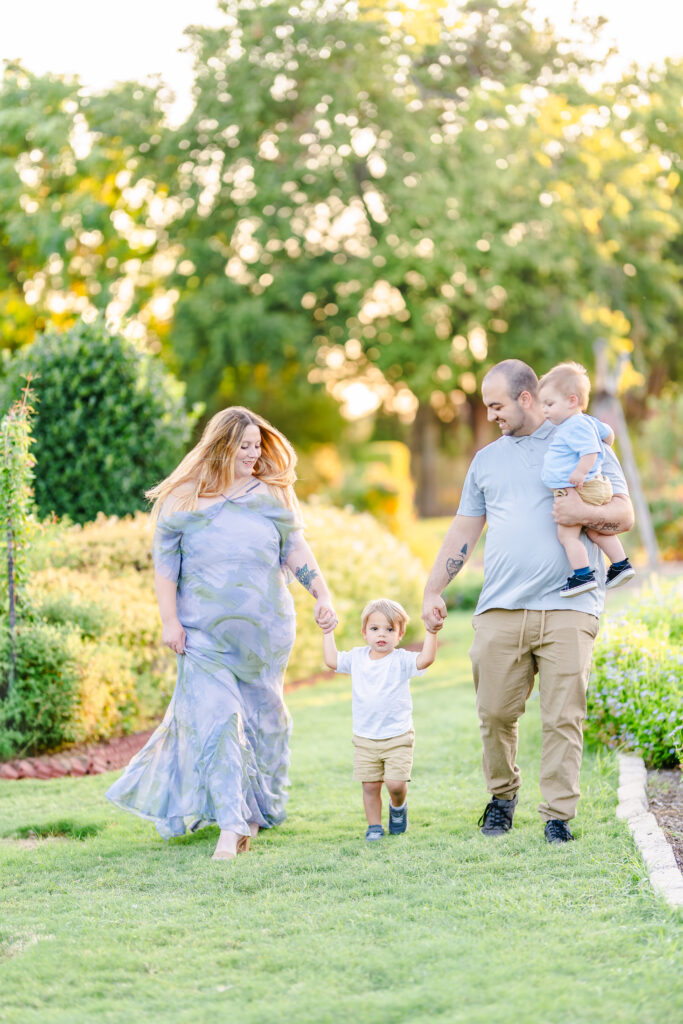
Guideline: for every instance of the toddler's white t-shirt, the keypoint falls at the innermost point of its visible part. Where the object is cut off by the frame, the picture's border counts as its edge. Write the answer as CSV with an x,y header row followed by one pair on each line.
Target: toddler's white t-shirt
x,y
381,705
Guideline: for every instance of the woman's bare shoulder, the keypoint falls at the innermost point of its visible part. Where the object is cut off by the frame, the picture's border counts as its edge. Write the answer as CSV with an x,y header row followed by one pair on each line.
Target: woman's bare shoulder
x,y
174,502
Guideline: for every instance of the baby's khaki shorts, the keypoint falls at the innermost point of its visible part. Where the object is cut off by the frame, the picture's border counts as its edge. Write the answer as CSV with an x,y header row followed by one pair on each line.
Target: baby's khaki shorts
x,y
597,491
376,760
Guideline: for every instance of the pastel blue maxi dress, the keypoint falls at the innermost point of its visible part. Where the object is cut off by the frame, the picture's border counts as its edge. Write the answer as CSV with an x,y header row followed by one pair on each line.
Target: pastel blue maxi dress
x,y
221,753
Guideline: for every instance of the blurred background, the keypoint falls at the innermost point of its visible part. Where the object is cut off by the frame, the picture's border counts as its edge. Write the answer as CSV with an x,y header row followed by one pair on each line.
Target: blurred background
x,y
341,215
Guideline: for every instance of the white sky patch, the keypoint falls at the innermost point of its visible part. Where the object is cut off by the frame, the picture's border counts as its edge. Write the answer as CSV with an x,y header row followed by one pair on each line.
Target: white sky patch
x,y
79,37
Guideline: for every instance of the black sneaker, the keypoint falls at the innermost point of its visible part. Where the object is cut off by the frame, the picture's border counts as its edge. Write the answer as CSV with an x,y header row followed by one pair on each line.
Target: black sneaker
x,y
497,817
616,575
578,585
398,819
557,831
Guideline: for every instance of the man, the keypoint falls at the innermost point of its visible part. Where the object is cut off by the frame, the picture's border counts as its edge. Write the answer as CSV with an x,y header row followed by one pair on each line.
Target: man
x,y
523,623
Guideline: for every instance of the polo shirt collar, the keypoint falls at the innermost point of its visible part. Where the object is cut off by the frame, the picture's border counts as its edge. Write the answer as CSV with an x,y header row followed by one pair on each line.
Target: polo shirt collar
x,y
544,431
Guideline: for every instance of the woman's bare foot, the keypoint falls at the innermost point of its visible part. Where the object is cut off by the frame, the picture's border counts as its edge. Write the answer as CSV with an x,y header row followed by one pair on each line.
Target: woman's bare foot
x,y
253,828
229,845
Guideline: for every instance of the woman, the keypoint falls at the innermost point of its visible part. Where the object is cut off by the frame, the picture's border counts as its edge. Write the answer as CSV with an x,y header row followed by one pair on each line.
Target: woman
x,y
227,525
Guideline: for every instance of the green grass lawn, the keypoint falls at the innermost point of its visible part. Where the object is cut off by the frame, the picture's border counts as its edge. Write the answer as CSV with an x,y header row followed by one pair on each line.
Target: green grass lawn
x,y
314,926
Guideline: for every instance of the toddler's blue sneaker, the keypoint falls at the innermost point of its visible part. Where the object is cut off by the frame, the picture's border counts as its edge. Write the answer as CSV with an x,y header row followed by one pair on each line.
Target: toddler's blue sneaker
x,y
398,819
374,832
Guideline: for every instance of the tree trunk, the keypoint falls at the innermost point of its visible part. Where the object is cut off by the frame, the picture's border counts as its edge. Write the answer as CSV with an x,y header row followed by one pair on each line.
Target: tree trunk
x,y
424,449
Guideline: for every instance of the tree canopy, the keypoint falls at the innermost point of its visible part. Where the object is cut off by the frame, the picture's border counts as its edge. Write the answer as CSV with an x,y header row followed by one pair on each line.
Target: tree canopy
x,y
366,198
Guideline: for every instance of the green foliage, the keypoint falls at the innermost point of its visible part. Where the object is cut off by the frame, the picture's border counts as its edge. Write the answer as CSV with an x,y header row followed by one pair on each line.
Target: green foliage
x,y
37,713
636,692
109,420
72,178
659,448
16,496
60,609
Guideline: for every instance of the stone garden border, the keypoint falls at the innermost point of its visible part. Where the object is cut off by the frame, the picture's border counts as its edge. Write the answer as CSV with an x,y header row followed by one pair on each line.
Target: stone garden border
x,y
658,856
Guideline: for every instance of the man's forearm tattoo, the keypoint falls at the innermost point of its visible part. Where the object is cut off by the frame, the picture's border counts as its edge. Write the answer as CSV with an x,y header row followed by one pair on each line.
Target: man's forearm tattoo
x,y
603,527
305,577
454,565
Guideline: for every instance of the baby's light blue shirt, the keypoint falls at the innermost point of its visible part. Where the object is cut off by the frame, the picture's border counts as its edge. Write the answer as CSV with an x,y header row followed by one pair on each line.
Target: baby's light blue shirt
x,y
579,435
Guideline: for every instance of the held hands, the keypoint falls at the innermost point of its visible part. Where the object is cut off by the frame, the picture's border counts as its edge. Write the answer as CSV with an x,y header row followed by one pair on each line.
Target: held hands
x,y
325,616
173,636
434,612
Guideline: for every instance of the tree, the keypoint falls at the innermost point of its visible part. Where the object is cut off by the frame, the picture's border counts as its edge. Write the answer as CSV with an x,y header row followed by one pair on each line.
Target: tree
x,y
404,211
110,420
81,225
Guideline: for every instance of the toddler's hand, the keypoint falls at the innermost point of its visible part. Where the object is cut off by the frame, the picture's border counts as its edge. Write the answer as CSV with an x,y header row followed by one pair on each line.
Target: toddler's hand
x,y
576,479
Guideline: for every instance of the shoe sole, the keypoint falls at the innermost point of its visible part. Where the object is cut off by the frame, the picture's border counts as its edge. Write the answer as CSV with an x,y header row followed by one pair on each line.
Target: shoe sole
x,y
623,577
582,588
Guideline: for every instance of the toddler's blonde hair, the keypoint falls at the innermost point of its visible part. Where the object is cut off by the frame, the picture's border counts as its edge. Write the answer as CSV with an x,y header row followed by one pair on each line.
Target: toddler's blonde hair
x,y
395,613
569,379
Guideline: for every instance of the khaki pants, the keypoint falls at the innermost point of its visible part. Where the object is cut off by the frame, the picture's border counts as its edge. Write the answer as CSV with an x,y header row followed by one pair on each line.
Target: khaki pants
x,y
509,647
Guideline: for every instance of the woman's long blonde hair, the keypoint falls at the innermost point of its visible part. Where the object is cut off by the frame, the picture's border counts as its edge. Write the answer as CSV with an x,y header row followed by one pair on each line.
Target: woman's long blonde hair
x,y
208,470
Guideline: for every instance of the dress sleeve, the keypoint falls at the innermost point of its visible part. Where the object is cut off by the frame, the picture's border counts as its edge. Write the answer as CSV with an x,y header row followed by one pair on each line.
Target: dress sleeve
x,y
166,549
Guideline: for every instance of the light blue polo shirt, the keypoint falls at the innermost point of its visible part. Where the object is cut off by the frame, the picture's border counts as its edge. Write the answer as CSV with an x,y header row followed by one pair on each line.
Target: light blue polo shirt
x,y
524,563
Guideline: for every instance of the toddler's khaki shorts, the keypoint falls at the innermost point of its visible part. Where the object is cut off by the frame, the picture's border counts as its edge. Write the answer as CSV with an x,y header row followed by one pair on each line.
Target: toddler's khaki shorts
x,y
597,491
376,760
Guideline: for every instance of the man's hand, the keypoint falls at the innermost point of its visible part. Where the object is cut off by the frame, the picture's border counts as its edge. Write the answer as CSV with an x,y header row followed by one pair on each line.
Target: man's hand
x,y
434,612
569,509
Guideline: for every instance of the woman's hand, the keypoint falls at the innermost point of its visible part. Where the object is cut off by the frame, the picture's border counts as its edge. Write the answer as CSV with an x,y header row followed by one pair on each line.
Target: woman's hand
x,y
173,635
325,615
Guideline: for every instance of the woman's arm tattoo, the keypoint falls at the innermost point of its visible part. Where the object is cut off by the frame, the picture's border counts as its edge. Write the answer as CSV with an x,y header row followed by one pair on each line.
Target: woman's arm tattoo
x,y
454,565
305,577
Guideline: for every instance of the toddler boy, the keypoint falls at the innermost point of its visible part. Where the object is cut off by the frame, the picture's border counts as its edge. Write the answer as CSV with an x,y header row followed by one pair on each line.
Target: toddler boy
x,y
382,709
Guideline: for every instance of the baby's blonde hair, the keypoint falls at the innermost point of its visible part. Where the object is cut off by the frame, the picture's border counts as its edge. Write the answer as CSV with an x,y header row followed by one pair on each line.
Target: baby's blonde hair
x,y
395,613
569,379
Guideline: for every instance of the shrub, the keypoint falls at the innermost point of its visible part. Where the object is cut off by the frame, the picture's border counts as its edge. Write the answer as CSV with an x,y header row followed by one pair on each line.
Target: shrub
x,y
109,419
636,692
61,609
37,713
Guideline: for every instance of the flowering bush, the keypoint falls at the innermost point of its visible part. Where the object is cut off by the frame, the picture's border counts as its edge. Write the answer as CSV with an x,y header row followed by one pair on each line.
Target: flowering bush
x,y
635,700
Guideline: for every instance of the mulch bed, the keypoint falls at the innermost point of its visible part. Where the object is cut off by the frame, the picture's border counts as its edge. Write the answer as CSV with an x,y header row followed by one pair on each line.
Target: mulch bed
x,y
665,793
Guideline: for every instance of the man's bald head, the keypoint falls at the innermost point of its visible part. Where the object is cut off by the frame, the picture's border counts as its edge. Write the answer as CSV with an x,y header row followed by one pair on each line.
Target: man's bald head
x,y
518,377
